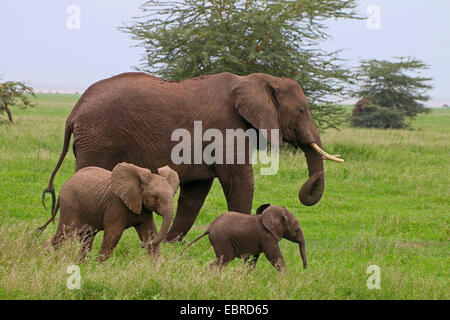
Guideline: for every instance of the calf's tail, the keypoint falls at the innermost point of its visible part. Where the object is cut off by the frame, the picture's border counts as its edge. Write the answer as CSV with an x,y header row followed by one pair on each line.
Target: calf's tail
x,y
195,240
51,219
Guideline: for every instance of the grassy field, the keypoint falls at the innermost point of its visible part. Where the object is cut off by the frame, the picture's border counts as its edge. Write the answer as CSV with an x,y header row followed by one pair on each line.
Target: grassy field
x,y
387,205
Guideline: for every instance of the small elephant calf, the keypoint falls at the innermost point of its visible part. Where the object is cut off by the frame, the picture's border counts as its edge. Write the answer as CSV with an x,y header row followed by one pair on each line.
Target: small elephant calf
x,y
235,234
96,199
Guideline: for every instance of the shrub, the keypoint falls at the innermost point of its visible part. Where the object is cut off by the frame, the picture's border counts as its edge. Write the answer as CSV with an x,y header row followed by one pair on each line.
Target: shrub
x,y
376,116
390,91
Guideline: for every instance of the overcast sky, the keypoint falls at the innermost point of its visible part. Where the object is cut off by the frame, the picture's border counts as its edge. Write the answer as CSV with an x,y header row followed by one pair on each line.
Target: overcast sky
x,y
37,46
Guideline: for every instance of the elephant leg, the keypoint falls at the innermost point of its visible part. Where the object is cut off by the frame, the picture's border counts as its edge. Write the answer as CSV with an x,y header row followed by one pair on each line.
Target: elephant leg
x,y
192,197
223,248
273,254
86,238
57,240
112,234
220,262
62,234
146,231
223,258
251,260
238,185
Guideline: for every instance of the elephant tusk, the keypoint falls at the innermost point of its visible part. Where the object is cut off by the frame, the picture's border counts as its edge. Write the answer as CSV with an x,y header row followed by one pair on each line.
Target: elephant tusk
x,y
326,155
334,155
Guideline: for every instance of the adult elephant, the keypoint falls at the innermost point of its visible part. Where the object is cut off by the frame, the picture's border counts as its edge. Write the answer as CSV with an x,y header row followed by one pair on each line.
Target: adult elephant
x,y
131,117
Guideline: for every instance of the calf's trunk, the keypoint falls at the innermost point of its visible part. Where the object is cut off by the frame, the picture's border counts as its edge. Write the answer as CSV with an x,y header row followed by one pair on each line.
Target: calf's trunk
x,y
167,221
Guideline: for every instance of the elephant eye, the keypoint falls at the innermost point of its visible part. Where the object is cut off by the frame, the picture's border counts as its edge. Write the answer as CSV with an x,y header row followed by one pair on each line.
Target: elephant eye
x,y
302,110
274,96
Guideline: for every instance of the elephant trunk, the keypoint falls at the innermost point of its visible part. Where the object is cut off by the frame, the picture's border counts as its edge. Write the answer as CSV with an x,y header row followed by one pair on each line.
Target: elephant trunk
x,y
311,192
301,245
303,254
167,221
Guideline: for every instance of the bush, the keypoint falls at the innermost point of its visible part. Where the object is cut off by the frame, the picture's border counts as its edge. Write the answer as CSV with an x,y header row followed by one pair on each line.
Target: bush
x,y
391,90
376,116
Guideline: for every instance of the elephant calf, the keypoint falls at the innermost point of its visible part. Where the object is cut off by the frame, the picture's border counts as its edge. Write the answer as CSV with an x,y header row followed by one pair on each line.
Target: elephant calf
x,y
235,234
96,199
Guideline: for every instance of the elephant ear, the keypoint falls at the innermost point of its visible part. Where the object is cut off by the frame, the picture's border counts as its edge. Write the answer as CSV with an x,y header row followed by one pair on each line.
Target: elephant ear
x,y
255,100
274,220
262,208
171,176
126,181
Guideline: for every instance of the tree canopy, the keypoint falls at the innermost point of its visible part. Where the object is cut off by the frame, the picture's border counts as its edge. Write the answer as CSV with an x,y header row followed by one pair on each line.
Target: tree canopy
x,y
188,38
392,90
12,93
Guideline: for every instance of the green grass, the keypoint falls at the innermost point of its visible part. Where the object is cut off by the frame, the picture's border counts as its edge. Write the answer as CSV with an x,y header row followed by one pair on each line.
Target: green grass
x,y
387,205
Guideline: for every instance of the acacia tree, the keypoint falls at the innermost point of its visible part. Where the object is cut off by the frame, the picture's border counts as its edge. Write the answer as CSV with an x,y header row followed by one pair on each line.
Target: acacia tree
x,y
189,38
390,91
13,93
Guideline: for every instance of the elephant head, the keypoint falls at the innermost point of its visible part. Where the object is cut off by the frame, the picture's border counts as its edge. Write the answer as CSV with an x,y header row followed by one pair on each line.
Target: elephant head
x,y
283,224
268,102
138,186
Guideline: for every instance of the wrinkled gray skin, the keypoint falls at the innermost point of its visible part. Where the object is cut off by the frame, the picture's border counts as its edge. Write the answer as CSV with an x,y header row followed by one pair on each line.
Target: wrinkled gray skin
x,y
96,199
131,117
237,235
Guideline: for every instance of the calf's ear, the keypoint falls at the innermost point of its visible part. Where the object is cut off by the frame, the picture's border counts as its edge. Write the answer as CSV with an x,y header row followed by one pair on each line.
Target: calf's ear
x,y
171,176
126,180
274,220
262,208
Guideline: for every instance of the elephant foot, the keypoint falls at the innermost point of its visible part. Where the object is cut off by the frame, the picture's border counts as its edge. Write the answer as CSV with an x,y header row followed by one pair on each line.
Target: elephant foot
x,y
101,258
152,250
175,236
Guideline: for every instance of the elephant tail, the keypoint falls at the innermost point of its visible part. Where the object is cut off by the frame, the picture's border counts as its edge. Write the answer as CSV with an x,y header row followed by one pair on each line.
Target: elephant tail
x,y
195,240
50,189
51,219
